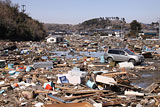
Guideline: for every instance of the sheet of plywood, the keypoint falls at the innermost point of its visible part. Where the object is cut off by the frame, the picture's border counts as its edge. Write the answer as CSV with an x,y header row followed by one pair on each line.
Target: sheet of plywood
x,y
105,80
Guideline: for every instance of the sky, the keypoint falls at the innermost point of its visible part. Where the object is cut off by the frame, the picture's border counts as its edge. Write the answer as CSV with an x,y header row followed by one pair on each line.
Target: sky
x,y
77,11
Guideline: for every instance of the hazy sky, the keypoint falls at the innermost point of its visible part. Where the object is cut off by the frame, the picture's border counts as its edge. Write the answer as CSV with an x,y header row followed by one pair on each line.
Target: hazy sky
x,y
77,11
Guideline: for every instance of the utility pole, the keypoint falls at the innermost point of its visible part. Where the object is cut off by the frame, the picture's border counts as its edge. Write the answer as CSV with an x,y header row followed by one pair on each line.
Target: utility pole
x,y
23,8
159,29
121,26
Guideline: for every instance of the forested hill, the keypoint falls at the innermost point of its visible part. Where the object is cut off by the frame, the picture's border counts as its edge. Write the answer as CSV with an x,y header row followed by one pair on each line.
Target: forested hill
x,y
18,26
91,24
102,22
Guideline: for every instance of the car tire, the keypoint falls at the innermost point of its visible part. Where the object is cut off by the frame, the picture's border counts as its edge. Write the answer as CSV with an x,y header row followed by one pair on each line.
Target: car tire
x,y
109,60
133,61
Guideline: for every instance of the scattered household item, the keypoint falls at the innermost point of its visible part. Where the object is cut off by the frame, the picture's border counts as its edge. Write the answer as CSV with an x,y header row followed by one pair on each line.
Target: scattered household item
x,y
48,86
126,65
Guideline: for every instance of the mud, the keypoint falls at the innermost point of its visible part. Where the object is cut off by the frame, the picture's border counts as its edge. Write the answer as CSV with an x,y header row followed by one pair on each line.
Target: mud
x,y
147,77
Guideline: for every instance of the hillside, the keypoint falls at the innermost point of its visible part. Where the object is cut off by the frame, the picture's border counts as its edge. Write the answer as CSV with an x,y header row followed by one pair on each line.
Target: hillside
x,y
91,24
54,27
18,26
98,23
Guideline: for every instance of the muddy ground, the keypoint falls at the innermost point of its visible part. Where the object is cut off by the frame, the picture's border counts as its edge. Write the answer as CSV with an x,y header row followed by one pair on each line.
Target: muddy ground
x,y
147,76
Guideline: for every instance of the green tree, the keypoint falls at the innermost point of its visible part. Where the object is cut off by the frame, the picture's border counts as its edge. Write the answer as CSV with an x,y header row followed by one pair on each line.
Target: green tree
x,y
135,28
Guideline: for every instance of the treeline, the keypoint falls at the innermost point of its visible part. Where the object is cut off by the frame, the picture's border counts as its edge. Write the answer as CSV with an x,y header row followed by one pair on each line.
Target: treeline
x,y
55,27
18,26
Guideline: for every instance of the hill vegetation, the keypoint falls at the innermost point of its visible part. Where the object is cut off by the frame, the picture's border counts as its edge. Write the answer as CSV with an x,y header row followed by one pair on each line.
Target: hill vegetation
x,y
54,27
18,26
98,23
91,24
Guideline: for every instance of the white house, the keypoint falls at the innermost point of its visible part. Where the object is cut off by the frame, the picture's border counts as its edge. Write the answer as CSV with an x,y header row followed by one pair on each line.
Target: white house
x,y
51,40
55,39
117,34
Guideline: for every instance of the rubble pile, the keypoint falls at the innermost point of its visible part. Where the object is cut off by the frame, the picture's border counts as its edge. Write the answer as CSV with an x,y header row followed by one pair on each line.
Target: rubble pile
x,y
74,73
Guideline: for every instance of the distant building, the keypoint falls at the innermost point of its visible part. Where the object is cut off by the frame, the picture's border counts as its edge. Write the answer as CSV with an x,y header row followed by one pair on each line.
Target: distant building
x,y
83,33
148,33
55,39
117,33
59,32
109,33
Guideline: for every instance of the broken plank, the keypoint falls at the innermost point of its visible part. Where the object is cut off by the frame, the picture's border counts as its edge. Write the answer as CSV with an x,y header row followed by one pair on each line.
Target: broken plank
x,y
55,99
85,91
83,104
152,87
114,74
76,97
